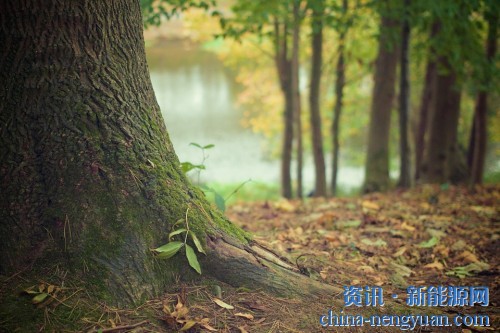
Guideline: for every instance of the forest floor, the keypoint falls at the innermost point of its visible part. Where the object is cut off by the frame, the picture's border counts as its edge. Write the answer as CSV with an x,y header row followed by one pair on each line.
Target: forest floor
x,y
429,236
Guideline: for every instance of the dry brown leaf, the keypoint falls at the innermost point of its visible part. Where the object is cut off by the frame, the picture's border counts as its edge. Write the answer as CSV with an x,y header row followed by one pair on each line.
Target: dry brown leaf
x,y
436,264
223,304
468,257
323,274
244,315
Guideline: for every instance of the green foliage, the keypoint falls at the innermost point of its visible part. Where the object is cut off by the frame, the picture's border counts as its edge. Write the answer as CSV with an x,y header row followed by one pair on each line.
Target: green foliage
x,y
170,249
154,11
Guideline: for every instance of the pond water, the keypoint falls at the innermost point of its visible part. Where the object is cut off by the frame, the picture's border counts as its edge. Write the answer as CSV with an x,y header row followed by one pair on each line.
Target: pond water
x,y
197,96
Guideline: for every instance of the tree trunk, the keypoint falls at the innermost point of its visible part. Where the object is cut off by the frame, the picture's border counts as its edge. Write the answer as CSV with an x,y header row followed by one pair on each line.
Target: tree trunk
x,y
314,99
441,152
404,102
296,103
339,94
377,160
479,132
425,105
283,66
89,179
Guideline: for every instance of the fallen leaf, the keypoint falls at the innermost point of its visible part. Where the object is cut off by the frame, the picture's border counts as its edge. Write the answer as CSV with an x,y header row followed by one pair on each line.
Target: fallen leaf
x,y
407,227
244,315
188,325
436,264
242,329
223,304
429,243
370,205
468,256
400,251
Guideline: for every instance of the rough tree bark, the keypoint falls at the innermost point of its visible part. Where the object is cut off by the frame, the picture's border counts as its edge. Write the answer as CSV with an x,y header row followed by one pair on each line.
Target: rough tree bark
x,y
89,179
377,159
479,132
339,95
404,101
314,99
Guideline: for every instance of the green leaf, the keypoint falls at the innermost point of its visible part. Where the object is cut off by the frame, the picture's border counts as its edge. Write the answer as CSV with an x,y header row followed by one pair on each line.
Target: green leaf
x,y
168,250
39,298
208,146
176,232
192,259
196,242
196,145
430,243
220,202
188,166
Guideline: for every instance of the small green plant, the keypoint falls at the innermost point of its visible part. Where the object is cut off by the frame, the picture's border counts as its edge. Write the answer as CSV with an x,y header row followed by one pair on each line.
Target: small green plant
x,y
220,201
188,166
172,247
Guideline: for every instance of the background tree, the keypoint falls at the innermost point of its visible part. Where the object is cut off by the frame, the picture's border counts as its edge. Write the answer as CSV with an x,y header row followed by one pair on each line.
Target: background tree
x,y
339,94
90,180
377,159
404,99
479,132
296,100
317,17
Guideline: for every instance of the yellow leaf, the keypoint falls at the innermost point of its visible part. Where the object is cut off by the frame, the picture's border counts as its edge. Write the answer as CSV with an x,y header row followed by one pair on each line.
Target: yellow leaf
x,y
285,206
436,264
407,227
370,205
50,289
223,304
188,325
207,326
244,315
323,274
400,251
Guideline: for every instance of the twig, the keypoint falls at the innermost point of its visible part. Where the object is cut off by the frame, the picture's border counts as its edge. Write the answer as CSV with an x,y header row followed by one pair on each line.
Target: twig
x,y
117,328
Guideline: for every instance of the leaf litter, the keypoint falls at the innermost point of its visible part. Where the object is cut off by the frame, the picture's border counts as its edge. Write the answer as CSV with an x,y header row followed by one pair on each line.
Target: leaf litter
x,y
425,236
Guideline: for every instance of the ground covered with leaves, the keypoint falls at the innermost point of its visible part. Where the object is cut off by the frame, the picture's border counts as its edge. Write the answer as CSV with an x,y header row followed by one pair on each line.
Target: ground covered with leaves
x,y
429,236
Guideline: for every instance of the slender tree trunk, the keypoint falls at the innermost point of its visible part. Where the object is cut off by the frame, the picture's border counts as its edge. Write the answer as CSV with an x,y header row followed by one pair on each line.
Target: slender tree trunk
x,y
404,102
314,99
425,105
479,132
377,160
339,94
296,103
283,66
89,179
441,152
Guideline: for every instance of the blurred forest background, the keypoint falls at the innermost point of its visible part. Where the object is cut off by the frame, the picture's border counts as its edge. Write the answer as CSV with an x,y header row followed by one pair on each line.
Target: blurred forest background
x,y
328,97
